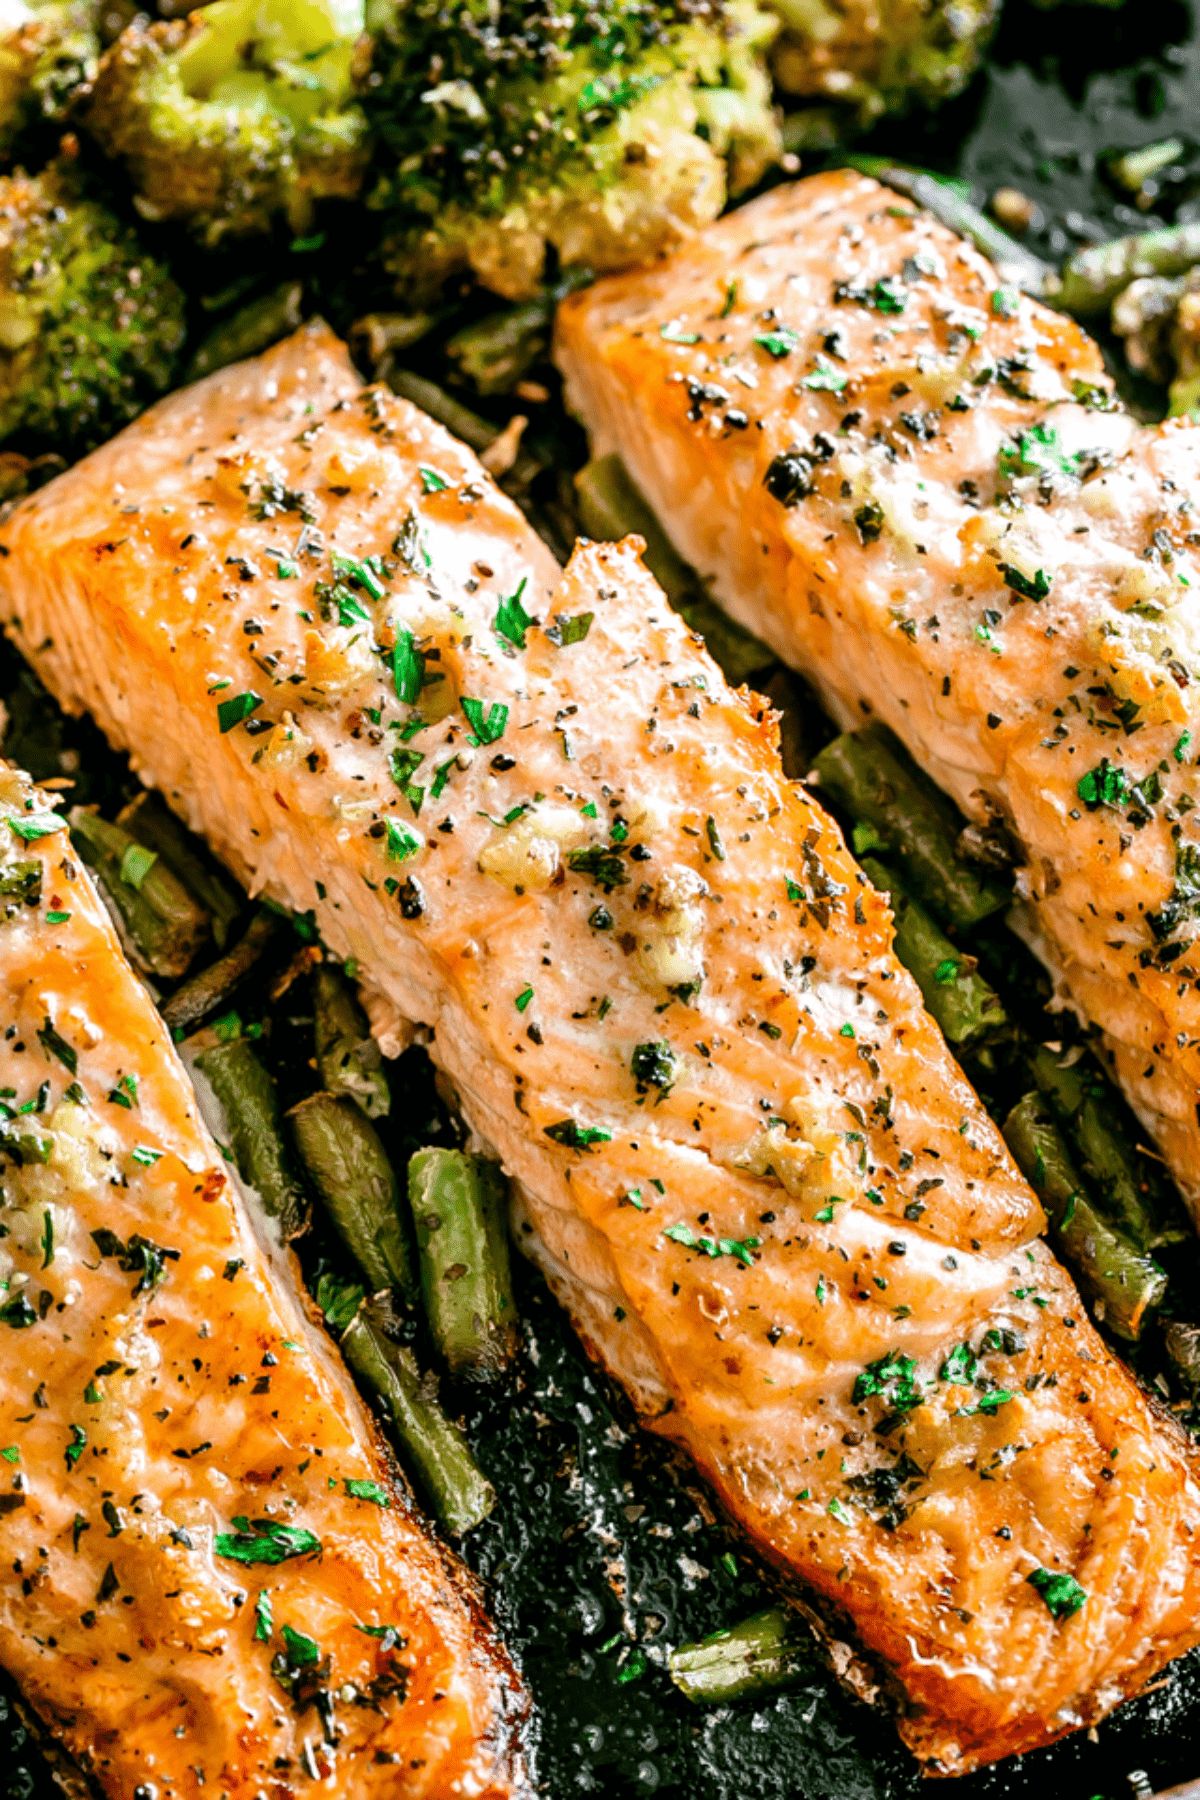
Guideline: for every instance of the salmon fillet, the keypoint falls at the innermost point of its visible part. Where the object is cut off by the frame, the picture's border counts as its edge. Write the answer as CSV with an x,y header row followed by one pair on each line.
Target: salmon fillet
x,y
914,484
669,1004
190,1475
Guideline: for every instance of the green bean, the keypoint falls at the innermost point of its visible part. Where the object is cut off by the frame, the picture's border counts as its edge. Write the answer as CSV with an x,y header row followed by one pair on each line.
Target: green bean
x,y
459,419
950,201
1092,278
377,338
250,1102
252,329
348,1057
1125,1285
870,775
1136,167
348,1166
1130,1195
457,1491
458,1206
496,351
165,924
211,989
965,1005
610,507
153,824
763,1653
1182,1343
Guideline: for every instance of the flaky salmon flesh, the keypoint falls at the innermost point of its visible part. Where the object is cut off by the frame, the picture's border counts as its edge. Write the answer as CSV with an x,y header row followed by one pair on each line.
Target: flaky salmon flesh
x,y
213,1580
532,811
915,484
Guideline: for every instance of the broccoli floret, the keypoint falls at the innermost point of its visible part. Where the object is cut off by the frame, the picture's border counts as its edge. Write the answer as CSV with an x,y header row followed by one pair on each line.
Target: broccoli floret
x,y
90,327
240,113
47,52
604,132
861,58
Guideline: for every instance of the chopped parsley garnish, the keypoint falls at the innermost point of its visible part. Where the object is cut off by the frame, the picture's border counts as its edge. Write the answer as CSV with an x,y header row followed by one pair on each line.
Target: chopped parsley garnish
x,y
990,1402
714,838
569,628
653,1065
1037,451
1184,899
401,842
1061,1593
712,1246
363,574
673,333
338,1300
17,1313
601,863
892,1378
264,1541
523,998
408,667
946,971
56,1045
36,825
143,1154
512,621
960,1366
1181,746
47,1238
825,378
575,1136
431,481
57,918
1105,785
1017,583
264,1622
837,1511
76,1447
488,727
1006,303
140,1256
125,1093
368,1490
237,709
778,343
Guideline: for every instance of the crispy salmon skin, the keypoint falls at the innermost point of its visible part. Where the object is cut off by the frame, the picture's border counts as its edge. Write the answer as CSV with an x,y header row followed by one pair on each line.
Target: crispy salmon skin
x,y
189,1475
546,829
913,481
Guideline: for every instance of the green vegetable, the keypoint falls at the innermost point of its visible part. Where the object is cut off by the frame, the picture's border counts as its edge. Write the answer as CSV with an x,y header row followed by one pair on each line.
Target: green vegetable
x,y
235,116
149,821
1128,1190
964,1003
500,141
250,1102
47,53
1125,1285
1093,278
763,1654
165,925
949,201
90,326
348,1057
349,1168
459,1495
214,987
250,330
871,776
458,1206
495,352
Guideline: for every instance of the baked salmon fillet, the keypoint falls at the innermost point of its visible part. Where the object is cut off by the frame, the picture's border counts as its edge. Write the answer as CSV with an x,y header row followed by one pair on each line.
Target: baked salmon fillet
x,y
213,1580
914,483
546,830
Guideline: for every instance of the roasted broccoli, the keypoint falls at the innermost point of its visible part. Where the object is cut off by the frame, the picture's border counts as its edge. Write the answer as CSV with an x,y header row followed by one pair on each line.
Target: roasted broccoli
x,y
238,114
1159,318
90,327
48,50
854,60
506,129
